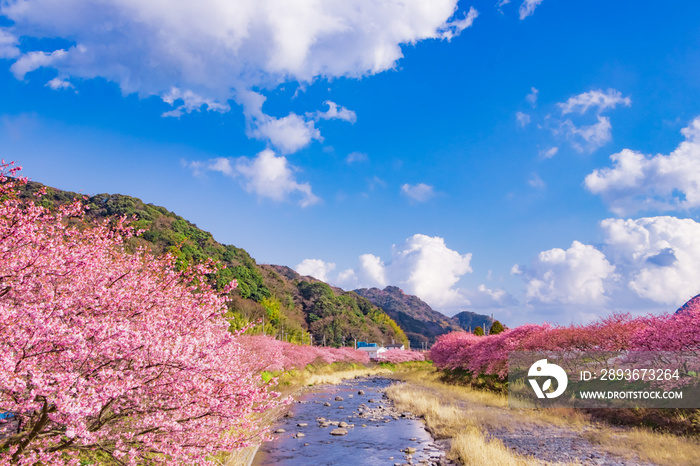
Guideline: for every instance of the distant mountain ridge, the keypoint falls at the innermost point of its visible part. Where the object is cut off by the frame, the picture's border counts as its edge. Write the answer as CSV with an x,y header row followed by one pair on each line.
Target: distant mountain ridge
x,y
421,323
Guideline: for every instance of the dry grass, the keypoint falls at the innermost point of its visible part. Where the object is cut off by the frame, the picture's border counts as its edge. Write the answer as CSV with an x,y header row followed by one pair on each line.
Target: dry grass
x,y
447,420
464,414
662,449
336,378
471,447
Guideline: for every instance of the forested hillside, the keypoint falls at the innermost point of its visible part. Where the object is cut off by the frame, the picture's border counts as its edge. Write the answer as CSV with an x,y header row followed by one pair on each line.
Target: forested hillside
x,y
292,307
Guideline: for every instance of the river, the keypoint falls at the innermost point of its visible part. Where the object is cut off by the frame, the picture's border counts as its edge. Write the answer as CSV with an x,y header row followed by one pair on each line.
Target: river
x,y
376,433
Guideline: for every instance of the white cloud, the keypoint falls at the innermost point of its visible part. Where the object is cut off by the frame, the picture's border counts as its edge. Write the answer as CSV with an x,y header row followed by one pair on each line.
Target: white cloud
x,y
549,153
641,182
8,44
532,96
643,265
287,134
265,175
535,181
422,265
658,256
593,136
523,119
577,275
594,99
336,112
190,102
589,138
217,49
420,192
34,60
315,268
356,157
59,83
527,8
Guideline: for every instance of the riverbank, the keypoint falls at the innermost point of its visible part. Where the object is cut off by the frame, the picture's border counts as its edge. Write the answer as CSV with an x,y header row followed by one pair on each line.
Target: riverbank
x,y
483,430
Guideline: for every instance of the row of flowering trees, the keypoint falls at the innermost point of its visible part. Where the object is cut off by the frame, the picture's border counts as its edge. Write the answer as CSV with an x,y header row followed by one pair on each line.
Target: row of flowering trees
x,y
398,355
275,355
488,355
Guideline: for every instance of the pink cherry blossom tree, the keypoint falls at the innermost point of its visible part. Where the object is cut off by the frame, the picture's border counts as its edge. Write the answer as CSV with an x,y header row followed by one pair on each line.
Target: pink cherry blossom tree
x,y
110,352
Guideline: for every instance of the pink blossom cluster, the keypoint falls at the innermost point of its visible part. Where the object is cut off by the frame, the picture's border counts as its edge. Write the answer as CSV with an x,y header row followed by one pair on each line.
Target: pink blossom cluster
x,y
274,355
489,354
115,352
399,355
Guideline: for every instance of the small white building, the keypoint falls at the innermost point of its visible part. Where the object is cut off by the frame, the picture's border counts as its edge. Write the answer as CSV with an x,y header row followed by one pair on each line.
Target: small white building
x,y
373,351
395,346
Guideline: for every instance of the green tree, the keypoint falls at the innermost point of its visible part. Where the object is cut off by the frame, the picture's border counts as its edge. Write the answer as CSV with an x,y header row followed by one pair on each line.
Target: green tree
x,y
479,332
496,328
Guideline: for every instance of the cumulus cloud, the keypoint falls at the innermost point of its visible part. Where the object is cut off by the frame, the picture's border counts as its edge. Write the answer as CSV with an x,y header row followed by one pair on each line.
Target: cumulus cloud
x,y
188,102
218,49
577,275
596,99
523,119
266,175
643,182
316,268
356,157
336,112
422,265
532,96
549,153
658,256
643,265
8,44
59,83
420,192
589,137
527,8
287,134
34,60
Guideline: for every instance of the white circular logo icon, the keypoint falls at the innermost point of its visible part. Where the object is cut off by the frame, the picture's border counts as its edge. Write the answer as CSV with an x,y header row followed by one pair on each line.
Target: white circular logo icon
x,y
542,368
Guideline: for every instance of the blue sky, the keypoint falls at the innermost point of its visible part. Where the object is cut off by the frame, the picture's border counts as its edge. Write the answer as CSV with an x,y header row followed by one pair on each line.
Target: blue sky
x,y
461,151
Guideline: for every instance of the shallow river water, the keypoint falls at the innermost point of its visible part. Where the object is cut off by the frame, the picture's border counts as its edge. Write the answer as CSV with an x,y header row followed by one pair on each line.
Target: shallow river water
x,y
383,441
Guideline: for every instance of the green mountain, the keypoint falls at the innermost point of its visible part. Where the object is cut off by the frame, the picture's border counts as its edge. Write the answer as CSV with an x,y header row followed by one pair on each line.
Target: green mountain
x,y
421,323
289,306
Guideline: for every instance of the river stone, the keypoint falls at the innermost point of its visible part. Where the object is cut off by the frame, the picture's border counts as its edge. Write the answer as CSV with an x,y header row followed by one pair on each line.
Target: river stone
x,y
339,432
343,424
280,431
338,398
306,444
302,424
350,396
361,392
289,414
409,450
300,434
326,404
364,425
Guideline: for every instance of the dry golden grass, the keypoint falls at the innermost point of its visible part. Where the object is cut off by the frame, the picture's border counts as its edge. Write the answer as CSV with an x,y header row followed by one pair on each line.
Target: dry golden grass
x,y
472,448
654,447
445,419
464,414
336,378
